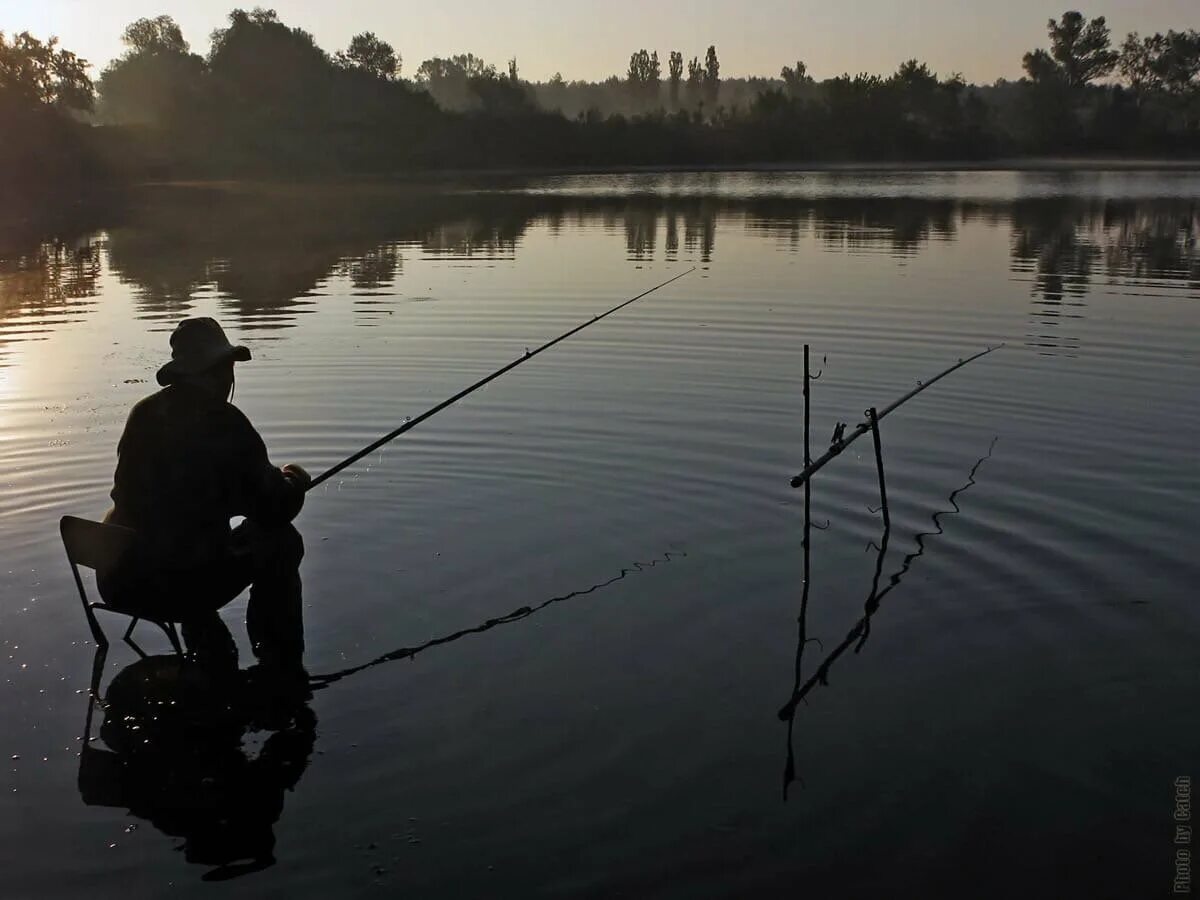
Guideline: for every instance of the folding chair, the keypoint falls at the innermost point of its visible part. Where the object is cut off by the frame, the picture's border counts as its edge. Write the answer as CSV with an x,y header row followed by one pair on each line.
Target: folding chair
x,y
99,547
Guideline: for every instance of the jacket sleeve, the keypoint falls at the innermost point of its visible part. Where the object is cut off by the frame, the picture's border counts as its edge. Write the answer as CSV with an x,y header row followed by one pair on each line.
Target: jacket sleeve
x,y
264,493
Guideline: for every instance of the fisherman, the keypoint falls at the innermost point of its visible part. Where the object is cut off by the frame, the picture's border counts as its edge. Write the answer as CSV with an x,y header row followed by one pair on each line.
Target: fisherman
x,y
188,462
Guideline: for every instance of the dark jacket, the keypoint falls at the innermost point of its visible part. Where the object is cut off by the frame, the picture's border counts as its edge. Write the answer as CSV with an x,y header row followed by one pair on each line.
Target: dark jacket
x,y
187,463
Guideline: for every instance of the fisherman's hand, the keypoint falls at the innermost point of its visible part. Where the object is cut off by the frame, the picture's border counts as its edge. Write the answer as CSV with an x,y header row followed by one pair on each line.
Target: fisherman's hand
x,y
297,475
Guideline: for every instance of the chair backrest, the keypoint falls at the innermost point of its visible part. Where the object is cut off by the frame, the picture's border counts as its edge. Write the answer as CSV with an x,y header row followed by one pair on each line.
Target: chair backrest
x,y
94,545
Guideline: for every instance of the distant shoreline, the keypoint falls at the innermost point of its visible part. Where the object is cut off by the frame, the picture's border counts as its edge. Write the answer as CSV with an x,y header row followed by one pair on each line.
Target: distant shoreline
x,y
35,207
1015,164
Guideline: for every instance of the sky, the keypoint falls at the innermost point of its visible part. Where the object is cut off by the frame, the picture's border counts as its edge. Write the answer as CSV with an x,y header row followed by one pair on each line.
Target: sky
x,y
592,39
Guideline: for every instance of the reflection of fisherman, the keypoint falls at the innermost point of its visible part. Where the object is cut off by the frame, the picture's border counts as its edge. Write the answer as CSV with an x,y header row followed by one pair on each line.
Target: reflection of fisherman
x,y
189,461
176,759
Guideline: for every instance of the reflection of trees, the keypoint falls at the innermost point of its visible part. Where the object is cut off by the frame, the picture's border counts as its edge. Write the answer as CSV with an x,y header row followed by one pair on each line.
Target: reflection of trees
x,y
1156,241
1062,244
267,251
641,228
700,232
41,280
374,270
900,226
1047,244
473,236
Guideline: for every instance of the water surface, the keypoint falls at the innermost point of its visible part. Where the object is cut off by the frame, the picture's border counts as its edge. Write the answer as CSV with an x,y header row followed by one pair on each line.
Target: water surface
x,y
1015,721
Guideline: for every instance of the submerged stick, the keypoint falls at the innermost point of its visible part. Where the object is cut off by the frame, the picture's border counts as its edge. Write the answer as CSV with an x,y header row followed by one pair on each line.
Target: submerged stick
x,y
529,354
811,469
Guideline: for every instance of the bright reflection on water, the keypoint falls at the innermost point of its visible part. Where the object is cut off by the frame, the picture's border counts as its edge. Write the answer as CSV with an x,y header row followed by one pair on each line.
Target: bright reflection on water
x,y
1017,717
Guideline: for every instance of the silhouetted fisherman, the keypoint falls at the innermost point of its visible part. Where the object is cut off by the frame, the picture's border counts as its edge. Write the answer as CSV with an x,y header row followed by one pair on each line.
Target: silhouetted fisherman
x,y
189,461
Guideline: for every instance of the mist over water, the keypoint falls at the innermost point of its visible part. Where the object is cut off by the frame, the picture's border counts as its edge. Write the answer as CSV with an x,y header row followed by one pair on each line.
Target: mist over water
x,y
1019,708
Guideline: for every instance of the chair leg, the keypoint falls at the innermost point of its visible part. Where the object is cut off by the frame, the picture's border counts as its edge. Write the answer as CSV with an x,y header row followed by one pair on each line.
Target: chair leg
x,y
128,638
97,633
172,636
94,690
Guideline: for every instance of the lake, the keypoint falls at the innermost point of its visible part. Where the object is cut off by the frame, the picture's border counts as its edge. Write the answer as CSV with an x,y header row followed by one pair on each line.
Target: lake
x,y
581,585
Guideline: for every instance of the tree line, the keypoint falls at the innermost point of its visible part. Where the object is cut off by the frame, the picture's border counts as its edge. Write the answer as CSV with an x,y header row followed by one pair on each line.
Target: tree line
x,y
267,100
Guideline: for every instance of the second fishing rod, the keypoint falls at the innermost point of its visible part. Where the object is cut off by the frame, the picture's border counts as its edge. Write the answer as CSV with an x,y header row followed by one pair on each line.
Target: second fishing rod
x,y
470,389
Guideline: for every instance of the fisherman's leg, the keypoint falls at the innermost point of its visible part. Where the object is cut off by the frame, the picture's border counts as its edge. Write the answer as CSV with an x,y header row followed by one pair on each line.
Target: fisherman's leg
x,y
201,594
274,617
208,641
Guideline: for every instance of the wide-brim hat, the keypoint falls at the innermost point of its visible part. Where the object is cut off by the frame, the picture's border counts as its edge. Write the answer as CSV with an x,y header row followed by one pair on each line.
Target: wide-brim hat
x,y
196,346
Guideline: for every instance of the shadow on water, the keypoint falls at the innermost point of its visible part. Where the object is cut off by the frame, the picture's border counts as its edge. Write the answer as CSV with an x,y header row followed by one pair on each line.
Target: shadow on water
x,y
180,756
517,615
268,253
858,635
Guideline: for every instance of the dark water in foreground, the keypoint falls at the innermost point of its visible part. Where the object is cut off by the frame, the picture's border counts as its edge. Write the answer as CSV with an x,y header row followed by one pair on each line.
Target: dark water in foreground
x,y
1015,723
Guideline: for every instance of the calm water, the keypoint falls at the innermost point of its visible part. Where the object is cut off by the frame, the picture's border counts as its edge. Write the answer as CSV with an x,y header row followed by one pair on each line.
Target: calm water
x,y
1027,696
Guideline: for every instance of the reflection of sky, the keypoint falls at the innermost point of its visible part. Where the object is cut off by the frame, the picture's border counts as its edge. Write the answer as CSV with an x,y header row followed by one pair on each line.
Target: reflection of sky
x,y
592,39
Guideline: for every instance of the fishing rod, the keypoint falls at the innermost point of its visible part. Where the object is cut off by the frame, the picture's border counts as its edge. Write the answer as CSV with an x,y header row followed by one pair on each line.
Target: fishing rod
x,y
529,354
841,443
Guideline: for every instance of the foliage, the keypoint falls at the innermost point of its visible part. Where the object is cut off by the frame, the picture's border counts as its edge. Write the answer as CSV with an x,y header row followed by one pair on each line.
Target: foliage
x,y
34,72
158,35
712,76
644,77
1079,52
675,67
372,56
1160,62
155,78
42,90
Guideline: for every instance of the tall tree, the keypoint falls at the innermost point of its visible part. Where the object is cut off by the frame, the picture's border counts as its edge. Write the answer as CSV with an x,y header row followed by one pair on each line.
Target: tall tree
x,y
675,68
712,77
644,77
155,80
268,68
695,80
368,53
1079,51
795,79
158,35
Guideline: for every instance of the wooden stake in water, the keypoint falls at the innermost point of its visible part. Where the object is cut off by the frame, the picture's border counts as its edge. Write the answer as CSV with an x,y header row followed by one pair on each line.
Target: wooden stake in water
x,y
874,422
529,354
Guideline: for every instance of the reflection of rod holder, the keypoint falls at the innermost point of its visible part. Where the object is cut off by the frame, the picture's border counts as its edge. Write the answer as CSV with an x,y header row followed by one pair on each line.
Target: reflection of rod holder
x,y
858,635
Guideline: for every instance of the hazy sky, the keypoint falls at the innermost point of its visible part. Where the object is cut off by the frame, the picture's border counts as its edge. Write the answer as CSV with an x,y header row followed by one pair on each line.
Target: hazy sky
x,y
593,39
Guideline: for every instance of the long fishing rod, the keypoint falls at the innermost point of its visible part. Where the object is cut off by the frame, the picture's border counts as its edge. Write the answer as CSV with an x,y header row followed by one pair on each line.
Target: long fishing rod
x,y
529,354
841,444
